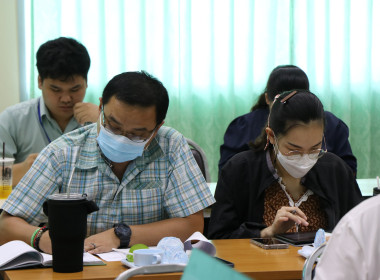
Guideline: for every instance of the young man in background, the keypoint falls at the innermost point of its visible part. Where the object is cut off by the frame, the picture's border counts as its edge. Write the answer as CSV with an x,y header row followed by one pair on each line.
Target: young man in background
x,y
26,128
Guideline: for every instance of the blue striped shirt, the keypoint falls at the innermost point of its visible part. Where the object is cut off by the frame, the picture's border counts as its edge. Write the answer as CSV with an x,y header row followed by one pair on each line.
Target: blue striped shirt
x,y
165,182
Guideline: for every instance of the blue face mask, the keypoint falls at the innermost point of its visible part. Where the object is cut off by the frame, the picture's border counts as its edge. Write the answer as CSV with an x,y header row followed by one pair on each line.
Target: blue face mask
x,y
118,148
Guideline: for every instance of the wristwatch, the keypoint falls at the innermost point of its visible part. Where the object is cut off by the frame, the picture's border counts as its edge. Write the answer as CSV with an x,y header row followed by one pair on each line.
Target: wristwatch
x,y
123,232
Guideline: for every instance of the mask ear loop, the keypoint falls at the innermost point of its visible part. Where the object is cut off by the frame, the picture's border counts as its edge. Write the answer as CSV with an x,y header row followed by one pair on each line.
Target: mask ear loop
x,y
267,144
99,121
101,117
324,139
154,131
275,98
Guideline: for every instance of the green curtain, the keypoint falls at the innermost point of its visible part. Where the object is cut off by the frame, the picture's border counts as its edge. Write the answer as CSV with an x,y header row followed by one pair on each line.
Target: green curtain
x,y
214,57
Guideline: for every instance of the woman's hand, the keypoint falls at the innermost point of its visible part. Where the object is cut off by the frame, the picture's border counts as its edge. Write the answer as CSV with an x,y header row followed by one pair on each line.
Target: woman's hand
x,y
285,219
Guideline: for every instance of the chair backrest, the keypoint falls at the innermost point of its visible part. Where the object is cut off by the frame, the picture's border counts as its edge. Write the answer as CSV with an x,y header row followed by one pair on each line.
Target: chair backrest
x,y
200,158
151,269
307,272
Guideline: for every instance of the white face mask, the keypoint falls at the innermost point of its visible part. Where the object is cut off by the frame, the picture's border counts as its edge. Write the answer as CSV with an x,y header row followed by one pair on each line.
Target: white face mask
x,y
297,168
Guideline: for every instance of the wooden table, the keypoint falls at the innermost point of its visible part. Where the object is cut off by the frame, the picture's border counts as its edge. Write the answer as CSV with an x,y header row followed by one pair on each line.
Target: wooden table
x,y
251,260
259,263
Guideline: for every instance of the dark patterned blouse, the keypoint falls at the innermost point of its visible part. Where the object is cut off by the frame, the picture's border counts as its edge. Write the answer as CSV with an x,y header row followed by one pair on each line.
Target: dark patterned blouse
x,y
275,198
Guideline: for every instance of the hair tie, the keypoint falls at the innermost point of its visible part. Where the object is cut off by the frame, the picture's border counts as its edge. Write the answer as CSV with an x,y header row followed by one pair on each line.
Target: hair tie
x,y
288,96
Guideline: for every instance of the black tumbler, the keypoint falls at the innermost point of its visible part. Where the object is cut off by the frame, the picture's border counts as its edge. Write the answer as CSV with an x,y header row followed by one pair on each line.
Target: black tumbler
x,y
376,191
67,219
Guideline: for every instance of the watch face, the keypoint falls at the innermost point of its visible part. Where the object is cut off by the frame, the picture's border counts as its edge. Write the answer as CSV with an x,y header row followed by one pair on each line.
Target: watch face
x,y
123,231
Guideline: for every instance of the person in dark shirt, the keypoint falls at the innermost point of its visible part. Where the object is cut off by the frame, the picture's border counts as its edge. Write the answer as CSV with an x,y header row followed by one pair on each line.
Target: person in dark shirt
x,y
247,128
287,181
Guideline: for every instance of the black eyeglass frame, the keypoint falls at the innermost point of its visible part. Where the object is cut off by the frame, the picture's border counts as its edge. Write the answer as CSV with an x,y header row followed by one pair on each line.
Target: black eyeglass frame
x,y
132,137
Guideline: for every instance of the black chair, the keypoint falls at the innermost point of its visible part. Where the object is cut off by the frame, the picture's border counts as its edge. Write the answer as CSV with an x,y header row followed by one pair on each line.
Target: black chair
x,y
200,158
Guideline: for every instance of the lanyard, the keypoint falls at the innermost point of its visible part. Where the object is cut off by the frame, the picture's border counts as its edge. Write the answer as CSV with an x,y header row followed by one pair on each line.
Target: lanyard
x,y
39,118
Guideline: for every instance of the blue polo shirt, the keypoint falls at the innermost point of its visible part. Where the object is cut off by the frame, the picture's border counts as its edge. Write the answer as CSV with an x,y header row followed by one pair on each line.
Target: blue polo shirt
x,y
23,129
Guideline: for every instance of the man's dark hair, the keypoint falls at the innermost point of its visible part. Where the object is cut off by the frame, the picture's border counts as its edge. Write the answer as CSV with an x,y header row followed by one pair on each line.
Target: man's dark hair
x,y
138,88
62,58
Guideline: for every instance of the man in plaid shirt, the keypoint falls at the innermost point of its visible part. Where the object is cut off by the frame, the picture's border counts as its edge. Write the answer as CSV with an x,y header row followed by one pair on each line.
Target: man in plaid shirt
x,y
141,174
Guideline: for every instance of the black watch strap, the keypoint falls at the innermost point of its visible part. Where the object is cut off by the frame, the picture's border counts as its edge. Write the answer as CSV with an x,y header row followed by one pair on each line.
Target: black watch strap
x,y
123,232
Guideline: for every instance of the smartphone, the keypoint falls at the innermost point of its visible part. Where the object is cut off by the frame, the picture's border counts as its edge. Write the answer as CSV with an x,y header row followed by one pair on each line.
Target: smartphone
x,y
269,243
225,262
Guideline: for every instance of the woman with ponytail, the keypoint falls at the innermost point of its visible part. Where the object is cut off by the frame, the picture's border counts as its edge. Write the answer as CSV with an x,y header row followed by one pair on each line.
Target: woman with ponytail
x,y
287,181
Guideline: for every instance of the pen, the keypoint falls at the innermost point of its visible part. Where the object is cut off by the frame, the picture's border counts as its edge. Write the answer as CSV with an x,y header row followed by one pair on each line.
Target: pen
x,y
294,212
120,251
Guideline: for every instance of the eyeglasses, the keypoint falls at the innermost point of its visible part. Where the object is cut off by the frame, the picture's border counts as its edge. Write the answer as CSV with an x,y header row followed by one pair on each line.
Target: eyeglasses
x,y
297,155
137,138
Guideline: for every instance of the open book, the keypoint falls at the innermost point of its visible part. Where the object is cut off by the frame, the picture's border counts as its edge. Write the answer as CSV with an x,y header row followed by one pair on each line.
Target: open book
x,y
17,254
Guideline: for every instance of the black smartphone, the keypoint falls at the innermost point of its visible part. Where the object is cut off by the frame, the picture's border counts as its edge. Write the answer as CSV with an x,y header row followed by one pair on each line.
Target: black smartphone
x,y
269,243
297,238
225,262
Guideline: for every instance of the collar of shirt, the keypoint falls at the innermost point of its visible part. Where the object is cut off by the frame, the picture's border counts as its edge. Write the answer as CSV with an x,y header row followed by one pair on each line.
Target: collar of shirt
x,y
43,110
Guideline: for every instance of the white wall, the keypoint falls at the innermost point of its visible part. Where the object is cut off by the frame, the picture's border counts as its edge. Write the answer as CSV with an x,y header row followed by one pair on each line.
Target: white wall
x,y
9,69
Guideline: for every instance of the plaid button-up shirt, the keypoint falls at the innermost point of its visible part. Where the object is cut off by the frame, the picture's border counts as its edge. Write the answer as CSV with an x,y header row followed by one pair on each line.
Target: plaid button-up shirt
x,y
165,182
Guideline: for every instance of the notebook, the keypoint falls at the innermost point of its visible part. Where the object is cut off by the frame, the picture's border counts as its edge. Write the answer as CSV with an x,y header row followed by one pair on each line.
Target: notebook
x,y
18,254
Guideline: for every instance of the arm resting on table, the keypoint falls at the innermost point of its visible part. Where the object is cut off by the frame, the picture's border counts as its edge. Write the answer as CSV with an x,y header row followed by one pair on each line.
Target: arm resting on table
x,y
15,228
151,234
148,234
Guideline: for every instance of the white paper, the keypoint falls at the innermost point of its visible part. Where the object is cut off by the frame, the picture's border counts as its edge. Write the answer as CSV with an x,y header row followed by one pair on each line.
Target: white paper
x,y
203,244
114,256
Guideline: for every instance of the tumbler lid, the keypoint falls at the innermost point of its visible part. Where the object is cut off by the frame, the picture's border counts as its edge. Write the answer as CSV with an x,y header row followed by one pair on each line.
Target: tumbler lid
x,y
65,196
7,160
